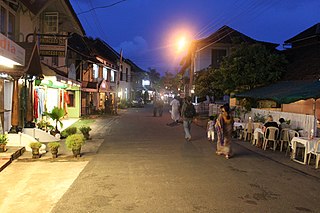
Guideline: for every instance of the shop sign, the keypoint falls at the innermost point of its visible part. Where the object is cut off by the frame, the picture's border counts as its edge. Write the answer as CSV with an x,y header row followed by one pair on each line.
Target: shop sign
x,y
11,50
53,46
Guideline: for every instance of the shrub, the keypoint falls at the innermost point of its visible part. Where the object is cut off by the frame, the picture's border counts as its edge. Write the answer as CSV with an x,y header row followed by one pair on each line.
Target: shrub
x,y
54,145
35,145
85,129
3,138
75,141
69,131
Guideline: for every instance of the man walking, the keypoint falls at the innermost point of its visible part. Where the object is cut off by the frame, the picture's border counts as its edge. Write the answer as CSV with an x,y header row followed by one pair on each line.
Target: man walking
x,y
187,112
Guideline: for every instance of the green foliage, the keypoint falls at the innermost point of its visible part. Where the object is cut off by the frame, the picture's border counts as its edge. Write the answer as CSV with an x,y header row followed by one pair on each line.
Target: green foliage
x,y
56,115
44,125
54,145
85,129
259,118
171,82
206,84
75,141
3,138
71,130
247,67
35,145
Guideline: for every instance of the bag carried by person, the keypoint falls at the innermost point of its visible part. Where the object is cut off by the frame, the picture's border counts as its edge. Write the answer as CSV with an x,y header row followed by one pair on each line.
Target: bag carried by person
x,y
190,111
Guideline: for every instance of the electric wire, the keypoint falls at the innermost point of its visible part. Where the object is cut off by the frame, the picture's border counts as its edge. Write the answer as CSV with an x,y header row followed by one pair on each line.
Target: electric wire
x,y
101,7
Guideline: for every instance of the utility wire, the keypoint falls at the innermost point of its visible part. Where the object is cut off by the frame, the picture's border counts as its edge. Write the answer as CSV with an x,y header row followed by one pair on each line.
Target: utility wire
x,y
101,7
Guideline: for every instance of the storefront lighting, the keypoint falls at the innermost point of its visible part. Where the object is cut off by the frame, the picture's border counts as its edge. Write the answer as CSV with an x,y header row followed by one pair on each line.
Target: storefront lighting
x,y
7,62
69,82
63,81
4,75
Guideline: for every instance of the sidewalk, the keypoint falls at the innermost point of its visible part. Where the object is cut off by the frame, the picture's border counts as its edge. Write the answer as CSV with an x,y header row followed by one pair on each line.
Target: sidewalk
x,y
276,156
13,153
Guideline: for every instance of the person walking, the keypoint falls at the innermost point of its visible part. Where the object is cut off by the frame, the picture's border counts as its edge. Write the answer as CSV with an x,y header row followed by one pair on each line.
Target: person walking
x,y
224,127
175,113
210,127
188,112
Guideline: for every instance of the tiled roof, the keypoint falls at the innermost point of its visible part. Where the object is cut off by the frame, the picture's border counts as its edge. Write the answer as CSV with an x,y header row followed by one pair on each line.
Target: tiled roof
x,y
310,32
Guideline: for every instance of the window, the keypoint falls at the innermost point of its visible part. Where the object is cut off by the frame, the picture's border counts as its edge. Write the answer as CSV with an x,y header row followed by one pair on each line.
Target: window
x,y
127,74
11,26
121,76
105,73
113,76
95,71
50,22
3,18
217,56
7,21
71,99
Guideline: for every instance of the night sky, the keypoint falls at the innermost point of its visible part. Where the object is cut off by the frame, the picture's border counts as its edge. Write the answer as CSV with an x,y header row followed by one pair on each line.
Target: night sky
x,y
147,30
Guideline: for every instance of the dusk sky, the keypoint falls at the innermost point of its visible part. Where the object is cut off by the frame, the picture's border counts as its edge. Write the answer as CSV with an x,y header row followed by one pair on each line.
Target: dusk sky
x,y
147,30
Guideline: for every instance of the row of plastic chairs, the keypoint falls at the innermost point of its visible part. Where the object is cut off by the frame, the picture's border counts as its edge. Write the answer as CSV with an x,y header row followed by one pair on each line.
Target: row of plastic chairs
x,y
273,137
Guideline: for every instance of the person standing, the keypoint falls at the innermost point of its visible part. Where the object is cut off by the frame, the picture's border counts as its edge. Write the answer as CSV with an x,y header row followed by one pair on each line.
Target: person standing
x,y
224,127
175,113
210,127
188,112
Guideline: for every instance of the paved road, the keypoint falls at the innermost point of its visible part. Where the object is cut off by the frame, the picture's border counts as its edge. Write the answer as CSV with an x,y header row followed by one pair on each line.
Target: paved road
x,y
143,165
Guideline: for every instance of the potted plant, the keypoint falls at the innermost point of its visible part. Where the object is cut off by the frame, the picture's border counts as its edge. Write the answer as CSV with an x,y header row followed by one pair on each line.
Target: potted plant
x,y
3,142
54,146
35,146
74,143
56,115
85,131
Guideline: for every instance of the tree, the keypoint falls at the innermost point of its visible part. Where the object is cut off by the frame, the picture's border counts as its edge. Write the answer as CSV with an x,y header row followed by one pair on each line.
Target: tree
x,y
248,67
170,81
154,78
205,84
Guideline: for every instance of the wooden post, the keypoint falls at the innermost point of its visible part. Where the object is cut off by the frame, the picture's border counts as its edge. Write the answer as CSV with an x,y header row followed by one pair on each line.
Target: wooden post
x,y
15,107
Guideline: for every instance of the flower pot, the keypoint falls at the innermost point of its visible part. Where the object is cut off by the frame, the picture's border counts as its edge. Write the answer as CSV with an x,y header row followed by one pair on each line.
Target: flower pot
x,y
3,148
86,136
54,152
76,152
35,153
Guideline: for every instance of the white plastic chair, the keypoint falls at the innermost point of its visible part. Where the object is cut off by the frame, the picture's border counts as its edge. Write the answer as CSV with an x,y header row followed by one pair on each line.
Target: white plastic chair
x,y
284,138
292,134
270,135
248,131
315,152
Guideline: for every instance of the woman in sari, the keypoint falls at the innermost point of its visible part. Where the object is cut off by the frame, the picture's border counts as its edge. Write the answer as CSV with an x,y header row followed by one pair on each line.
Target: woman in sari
x,y
224,128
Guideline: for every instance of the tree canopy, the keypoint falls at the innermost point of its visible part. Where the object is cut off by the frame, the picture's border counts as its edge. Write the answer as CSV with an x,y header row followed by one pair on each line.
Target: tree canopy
x,y
247,67
251,66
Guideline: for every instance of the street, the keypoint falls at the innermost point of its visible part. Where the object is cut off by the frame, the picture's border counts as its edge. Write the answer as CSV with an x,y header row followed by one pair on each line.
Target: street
x,y
143,165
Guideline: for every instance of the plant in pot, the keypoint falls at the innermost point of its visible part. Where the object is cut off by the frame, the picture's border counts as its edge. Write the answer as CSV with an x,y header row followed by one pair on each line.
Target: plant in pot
x,y
35,146
74,143
3,142
85,130
56,115
54,146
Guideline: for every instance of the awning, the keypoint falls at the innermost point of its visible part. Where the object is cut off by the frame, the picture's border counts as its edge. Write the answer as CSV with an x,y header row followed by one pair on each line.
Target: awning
x,y
32,62
285,92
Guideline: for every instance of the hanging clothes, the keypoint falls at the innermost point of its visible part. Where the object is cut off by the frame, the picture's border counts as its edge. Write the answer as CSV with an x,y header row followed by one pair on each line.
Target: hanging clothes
x,y
35,104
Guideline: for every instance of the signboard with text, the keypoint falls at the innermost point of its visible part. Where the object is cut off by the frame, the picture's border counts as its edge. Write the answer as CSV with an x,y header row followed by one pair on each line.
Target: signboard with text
x,y
10,50
53,46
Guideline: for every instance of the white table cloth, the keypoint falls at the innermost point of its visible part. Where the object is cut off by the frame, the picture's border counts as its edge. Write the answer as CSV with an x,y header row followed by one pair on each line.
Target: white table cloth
x,y
307,143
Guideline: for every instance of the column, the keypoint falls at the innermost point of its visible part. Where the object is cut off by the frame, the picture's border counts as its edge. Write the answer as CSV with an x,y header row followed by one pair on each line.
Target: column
x,y
15,107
